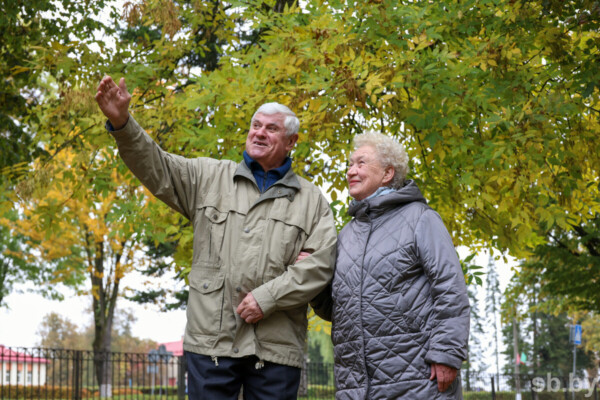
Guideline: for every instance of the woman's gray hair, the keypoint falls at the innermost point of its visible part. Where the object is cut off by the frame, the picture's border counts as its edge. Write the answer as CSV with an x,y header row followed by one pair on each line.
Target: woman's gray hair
x,y
291,122
390,152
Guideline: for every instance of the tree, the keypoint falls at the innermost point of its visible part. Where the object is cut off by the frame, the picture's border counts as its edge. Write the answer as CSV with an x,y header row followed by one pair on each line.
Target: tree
x,y
476,360
497,104
489,100
73,221
543,333
493,306
30,48
568,266
56,332
13,269
590,323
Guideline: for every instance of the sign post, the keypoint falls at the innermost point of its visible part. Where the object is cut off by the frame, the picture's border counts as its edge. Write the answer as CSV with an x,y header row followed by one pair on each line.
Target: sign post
x,y
575,338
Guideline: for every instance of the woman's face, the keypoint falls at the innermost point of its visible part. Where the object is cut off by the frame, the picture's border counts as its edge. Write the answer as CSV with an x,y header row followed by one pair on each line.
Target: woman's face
x,y
366,174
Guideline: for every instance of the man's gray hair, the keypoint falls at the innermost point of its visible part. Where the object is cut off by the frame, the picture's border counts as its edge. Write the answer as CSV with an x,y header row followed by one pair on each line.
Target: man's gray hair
x,y
390,153
291,122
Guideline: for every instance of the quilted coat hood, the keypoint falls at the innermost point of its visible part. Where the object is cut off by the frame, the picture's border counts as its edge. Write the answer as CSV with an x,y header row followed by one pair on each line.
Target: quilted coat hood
x,y
399,300
378,205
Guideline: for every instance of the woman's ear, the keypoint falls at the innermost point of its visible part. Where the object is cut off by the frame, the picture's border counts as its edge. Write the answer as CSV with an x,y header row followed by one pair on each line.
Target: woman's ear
x,y
388,175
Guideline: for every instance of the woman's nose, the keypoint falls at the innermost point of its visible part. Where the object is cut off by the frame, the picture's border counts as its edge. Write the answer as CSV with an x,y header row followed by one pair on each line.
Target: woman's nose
x,y
351,171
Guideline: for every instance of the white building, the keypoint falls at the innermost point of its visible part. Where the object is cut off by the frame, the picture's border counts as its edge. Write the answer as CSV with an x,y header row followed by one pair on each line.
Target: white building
x,y
18,368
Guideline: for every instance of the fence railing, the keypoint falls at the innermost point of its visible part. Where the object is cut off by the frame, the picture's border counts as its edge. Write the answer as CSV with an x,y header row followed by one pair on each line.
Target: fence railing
x,y
39,373
76,374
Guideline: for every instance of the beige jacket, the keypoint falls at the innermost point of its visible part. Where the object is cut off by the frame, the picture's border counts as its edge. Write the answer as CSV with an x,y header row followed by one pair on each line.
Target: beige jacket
x,y
244,241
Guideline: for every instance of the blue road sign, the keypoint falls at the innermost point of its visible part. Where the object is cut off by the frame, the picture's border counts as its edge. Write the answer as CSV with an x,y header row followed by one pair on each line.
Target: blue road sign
x,y
576,333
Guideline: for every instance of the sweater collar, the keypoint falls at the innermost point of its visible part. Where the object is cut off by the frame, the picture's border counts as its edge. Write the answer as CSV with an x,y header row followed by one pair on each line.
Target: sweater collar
x,y
279,171
289,179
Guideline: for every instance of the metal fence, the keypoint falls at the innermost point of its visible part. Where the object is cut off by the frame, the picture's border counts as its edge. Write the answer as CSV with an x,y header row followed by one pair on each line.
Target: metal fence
x,y
40,373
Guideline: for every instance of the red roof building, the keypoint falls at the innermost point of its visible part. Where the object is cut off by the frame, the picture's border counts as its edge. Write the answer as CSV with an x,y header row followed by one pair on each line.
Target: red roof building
x,y
21,368
174,347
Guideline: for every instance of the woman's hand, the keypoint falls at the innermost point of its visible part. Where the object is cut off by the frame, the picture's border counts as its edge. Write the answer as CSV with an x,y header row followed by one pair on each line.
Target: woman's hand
x,y
303,254
445,375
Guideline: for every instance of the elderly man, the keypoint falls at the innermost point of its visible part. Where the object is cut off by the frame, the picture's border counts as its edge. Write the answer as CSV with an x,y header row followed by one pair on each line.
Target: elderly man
x,y
246,312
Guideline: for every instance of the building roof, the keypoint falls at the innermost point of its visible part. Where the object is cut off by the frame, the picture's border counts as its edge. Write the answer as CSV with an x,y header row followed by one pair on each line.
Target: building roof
x,y
174,347
8,354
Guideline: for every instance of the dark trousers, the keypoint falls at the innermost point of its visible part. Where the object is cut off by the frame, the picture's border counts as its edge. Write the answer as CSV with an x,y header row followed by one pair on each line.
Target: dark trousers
x,y
223,381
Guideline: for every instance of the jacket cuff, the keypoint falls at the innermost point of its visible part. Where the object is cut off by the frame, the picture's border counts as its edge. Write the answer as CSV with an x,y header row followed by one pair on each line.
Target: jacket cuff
x,y
127,128
265,301
439,357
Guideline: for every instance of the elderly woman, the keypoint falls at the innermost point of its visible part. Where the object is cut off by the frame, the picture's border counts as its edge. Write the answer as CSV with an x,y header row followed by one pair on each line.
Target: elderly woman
x,y
398,298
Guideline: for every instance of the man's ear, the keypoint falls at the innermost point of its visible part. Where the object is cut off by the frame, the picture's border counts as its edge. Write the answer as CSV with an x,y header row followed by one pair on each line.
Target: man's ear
x,y
291,142
388,175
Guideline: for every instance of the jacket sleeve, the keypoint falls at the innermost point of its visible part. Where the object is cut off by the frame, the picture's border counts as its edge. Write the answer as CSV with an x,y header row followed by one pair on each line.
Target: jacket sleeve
x,y
451,309
322,304
171,178
302,281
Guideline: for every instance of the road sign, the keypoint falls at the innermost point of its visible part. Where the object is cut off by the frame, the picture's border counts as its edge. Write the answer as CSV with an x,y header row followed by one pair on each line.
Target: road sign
x,y
575,336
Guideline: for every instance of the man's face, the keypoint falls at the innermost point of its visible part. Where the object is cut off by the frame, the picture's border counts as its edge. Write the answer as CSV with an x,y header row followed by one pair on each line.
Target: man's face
x,y
267,142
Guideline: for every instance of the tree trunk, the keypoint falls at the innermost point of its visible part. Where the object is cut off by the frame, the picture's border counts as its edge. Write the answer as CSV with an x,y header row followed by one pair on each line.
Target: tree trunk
x,y
103,303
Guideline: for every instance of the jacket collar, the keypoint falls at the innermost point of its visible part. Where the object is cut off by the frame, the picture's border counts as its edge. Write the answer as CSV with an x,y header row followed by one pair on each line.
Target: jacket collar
x,y
287,186
375,206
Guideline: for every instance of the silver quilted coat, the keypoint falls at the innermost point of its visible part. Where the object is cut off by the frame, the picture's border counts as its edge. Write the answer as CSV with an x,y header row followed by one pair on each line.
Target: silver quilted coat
x,y
399,301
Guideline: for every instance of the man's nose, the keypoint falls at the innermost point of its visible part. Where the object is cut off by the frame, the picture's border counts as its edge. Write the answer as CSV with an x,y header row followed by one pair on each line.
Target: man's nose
x,y
262,131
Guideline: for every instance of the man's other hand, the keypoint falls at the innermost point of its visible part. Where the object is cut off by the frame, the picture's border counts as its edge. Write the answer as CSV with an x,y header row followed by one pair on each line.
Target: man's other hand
x,y
249,310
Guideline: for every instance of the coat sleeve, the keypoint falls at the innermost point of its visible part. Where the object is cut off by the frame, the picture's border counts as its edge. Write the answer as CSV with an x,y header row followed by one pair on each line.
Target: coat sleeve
x,y
451,309
304,280
322,304
171,178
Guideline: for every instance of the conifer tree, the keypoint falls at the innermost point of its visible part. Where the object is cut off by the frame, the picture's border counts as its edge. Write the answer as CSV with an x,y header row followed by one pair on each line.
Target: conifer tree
x,y
493,306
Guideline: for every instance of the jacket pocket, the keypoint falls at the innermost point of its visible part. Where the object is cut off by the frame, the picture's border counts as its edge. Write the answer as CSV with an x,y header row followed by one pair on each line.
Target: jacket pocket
x,y
209,232
205,304
284,242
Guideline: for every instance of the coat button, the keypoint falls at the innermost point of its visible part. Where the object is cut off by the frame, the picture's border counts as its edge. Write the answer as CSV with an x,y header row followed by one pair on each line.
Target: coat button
x,y
214,217
236,350
246,230
205,286
238,289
